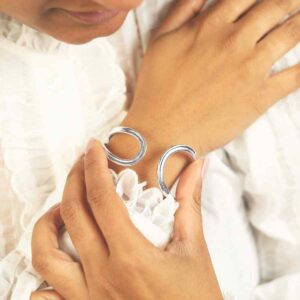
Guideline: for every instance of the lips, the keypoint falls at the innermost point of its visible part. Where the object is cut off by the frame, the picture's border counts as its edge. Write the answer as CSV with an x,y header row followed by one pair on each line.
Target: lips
x,y
93,17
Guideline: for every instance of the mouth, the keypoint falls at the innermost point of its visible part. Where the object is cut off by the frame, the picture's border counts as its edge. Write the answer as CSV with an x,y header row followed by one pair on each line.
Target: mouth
x,y
93,17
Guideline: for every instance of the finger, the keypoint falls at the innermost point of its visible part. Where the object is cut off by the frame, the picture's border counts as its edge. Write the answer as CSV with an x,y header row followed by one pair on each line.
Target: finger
x,y
107,207
183,11
188,224
46,295
264,16
280,41
55,266
80,223
229,11
282,84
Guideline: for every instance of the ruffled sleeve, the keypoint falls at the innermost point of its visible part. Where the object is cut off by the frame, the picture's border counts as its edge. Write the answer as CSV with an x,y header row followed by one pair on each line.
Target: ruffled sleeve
x,y
150,213
18,278
53,98
153,215
148,210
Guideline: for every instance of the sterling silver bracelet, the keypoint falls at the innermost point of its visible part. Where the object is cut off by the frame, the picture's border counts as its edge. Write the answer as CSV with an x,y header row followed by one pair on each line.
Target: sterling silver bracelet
x,y
143,148
161,164
127,162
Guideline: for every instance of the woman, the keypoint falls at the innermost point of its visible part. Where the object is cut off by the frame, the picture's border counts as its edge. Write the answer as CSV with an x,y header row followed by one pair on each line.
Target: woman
x,y
125,265
257,61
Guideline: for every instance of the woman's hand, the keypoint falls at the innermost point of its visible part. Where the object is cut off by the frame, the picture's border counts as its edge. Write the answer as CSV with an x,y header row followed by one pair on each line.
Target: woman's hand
x,y
205,79
46,295
117,262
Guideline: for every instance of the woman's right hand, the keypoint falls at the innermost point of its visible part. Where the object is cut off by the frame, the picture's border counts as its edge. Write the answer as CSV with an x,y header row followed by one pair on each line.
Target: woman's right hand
x,y
205,79
117,262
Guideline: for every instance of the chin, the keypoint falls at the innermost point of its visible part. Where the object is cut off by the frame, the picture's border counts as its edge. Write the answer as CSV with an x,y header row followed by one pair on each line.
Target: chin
x,y
77,34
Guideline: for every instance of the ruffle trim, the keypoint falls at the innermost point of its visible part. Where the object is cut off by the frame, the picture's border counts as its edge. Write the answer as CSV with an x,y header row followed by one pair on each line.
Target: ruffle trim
x,y
36,161
151,213
25,36
148,203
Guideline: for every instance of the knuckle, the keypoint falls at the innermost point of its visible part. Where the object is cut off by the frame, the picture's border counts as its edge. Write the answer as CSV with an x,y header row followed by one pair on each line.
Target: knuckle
x,y
96,196
293,29
231,41
270,51
213,19
68,210
90,162
283,5
84,237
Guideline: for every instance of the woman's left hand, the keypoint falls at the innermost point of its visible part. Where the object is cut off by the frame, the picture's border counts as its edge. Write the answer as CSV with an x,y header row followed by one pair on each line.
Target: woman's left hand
x,y
117,262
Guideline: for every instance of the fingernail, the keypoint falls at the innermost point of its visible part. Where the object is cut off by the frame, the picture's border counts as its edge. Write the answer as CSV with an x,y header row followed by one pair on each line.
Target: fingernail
x,y
204,168
90,145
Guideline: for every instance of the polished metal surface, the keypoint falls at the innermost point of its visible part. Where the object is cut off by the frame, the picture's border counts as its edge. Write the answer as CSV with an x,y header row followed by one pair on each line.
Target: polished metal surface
x,y
127,162
161,164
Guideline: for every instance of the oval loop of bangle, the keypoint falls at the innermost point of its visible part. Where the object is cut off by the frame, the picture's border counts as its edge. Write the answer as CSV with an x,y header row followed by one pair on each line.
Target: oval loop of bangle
x,y
161,164
126,162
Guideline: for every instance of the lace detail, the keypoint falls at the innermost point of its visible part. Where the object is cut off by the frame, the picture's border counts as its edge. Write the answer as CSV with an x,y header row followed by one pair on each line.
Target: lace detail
x,y
25,36
149,212
147,204
52,106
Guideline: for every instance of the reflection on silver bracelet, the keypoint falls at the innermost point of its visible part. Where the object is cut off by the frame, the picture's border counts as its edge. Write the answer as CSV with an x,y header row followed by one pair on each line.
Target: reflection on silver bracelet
x,y
143,148
127,162
161,164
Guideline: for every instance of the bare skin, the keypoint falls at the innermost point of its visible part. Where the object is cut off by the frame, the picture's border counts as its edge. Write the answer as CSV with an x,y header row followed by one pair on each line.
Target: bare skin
x,y
211,86
53,17
117,262
214,83
181,96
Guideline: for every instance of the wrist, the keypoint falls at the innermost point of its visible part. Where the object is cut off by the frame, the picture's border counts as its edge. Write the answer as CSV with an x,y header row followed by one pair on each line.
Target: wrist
x,y
127,147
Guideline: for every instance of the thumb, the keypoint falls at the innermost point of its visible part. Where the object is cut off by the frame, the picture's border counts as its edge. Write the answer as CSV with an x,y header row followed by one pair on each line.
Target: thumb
x,y
188,221
46,295
182,12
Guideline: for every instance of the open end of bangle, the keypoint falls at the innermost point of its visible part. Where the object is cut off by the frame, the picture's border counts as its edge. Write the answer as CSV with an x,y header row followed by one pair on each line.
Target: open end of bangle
x,y
161,164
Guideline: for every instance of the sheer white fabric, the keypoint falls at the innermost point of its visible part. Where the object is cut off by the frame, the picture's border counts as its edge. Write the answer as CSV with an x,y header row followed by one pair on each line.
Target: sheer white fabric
x,y
53,97
148,210
267,158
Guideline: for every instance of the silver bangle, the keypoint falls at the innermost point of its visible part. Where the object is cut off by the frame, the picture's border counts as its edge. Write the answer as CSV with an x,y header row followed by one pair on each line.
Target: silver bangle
x,y
161,164
137,136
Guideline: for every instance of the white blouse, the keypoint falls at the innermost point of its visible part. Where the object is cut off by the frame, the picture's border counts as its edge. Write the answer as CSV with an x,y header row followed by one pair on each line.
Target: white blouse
x,y
54,97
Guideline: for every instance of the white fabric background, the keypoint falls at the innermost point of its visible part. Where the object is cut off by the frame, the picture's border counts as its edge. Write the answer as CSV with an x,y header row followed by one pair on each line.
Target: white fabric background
x,y
53,97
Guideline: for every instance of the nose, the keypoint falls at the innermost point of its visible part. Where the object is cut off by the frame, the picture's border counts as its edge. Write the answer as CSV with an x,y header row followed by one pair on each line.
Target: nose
x,y
120,4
